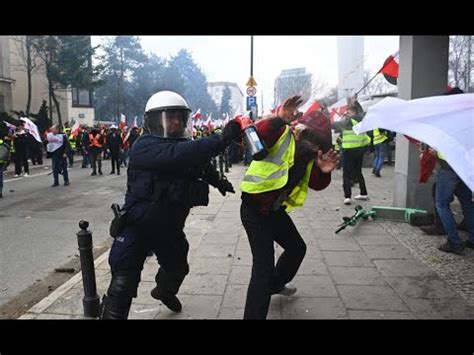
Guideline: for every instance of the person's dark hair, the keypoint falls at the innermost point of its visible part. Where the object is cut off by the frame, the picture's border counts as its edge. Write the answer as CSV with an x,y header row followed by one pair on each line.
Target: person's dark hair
x,y
316,139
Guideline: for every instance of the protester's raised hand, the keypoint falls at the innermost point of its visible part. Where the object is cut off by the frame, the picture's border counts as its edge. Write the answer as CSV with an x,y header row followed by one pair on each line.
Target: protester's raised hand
x,y
288,112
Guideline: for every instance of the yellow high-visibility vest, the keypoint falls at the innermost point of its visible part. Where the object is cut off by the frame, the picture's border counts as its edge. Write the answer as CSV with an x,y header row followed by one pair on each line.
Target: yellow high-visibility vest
x,y
379,137
72,141
351,140
271,173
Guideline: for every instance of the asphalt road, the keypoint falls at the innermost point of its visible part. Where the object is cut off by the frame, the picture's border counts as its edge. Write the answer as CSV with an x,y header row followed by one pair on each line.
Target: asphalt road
x,y
38,223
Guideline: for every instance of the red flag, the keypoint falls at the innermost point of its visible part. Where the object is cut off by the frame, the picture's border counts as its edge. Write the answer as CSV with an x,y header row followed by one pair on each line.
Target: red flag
x,y
75,129
209,122
197,115
315,106
390,68
123,121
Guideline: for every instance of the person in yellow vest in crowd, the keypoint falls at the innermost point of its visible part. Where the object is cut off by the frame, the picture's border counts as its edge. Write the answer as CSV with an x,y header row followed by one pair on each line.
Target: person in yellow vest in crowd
x,y
354,147
274,186
72,143
380,138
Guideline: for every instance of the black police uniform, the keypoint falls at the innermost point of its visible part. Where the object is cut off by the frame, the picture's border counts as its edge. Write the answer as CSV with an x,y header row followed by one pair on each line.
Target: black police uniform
x,y
165,178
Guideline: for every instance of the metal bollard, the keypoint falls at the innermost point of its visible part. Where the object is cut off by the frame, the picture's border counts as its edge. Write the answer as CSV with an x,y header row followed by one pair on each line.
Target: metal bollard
x,y
221,165
91,300
226,161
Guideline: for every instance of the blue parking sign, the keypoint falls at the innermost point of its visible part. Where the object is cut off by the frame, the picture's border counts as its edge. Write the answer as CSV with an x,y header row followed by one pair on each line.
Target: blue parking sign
x,y
251,102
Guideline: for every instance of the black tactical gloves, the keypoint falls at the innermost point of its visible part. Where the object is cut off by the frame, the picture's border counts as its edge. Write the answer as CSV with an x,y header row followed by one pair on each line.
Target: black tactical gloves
x,y
231,132
224,186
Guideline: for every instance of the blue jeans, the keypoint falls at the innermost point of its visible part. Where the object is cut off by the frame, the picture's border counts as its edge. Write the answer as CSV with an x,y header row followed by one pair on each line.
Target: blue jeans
x,y
379,158
2,167
449,184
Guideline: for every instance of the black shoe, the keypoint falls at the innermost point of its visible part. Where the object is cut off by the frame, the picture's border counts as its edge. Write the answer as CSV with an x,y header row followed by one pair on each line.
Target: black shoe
x,y
448,248
112,172
378,175
466,244
66,183
433,230
171,302
1,195
55,184
93,173
100,172
118,172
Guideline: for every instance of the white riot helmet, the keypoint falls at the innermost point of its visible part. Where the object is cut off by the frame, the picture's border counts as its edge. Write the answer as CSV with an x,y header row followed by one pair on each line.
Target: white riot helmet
x,y
168,115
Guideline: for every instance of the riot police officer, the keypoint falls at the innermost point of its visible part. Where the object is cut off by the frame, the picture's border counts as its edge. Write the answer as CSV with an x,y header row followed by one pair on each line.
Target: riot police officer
x,y
168,173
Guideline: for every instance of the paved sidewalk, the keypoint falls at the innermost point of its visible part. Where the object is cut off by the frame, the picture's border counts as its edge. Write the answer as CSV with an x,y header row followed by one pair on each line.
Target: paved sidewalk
x,y
363,272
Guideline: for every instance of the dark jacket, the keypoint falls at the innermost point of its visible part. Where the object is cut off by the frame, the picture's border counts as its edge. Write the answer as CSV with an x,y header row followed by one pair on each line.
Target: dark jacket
x,y
114,142
166,170
21,143
133,137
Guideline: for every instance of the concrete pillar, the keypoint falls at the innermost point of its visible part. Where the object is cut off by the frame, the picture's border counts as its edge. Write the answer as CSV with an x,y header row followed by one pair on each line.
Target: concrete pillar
x,y
423,72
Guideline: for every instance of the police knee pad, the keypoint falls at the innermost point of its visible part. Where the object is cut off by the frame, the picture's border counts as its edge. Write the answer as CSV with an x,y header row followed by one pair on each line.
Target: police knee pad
x,y
124,285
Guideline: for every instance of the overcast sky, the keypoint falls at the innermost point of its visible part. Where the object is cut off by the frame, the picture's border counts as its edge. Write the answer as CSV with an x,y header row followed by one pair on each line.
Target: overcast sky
x,y
227,58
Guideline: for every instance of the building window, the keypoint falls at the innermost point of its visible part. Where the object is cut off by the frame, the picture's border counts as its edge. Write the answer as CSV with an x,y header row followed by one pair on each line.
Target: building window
x,y
81,98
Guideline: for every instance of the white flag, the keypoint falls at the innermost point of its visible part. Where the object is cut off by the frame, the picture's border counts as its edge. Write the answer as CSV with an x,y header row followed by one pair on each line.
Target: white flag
x,y
445,122
30,126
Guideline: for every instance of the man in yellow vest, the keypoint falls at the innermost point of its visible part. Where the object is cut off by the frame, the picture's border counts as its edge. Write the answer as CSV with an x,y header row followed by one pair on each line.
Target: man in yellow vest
x,y
72,143
380,138
274,186
354,147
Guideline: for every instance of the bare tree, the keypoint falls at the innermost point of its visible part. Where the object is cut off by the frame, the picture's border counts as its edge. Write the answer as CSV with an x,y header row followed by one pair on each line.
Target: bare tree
x,y
330,98
318,86
379,85
29,62
460,59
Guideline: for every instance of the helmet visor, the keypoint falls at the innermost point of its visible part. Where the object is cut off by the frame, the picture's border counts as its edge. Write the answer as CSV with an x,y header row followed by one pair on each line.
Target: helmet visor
x,y
172,123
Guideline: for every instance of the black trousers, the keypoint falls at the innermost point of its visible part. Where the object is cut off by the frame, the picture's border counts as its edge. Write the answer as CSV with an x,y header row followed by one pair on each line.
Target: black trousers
x,y
115,160
160,231
21,160
268,278
352,170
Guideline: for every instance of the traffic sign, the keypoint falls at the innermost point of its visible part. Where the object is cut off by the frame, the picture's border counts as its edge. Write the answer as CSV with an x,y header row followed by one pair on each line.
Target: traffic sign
x,y
251,91
251,102
251,82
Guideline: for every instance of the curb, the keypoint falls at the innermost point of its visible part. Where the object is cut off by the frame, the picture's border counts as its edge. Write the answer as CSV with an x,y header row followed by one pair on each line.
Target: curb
x,y
46,302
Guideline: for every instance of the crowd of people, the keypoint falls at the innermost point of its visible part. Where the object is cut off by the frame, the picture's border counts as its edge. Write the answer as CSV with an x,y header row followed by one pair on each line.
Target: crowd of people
x,y
20,148
170,170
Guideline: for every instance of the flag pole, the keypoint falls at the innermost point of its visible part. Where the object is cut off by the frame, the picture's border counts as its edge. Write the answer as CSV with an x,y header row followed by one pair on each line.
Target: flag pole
x,y
367,83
